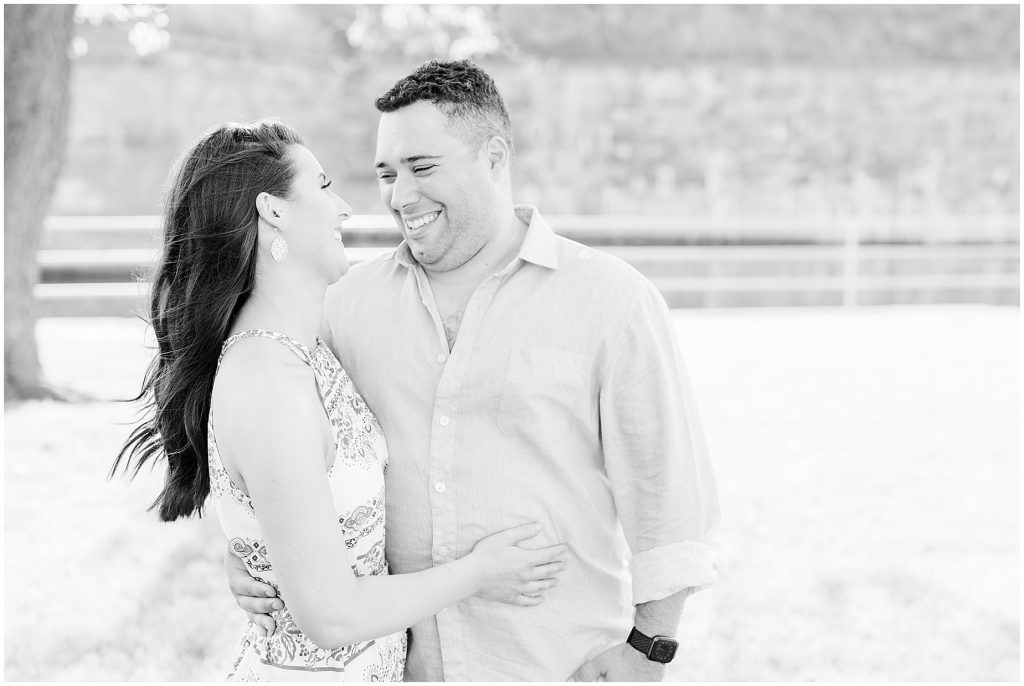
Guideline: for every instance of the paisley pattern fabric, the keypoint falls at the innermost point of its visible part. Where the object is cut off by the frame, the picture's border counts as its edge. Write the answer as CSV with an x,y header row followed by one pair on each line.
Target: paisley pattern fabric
x,y
363,521
357,486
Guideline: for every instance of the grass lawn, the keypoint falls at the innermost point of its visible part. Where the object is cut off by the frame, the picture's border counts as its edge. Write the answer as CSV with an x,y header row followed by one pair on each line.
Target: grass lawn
x,y
867,462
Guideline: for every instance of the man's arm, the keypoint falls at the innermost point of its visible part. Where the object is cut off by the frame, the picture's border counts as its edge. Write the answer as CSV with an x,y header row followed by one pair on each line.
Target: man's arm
x,y
661,479
623,662
661,617
255,597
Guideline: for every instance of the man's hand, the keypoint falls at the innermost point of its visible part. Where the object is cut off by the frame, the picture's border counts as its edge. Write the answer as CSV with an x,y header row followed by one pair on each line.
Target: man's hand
x,y
255,597
621,663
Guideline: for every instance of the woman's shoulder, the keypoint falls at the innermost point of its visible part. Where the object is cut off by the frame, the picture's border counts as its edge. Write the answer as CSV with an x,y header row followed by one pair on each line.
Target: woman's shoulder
x,y
256,363
248,354
265,405
261,380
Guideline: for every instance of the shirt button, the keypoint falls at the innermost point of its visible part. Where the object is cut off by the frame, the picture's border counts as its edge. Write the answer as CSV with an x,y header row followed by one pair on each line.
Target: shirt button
x,y
439,487
444,421
443,550
441,357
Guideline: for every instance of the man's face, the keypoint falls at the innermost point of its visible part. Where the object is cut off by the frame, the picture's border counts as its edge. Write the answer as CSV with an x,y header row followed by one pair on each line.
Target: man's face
x,y
441,193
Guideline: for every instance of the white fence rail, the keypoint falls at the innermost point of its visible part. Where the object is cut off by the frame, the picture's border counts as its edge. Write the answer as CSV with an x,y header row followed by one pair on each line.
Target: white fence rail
x,y
90,265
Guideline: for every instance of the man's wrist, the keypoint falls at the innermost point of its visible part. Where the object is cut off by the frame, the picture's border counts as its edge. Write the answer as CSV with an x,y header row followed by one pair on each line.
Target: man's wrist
x,y
657,648
661,617
641,665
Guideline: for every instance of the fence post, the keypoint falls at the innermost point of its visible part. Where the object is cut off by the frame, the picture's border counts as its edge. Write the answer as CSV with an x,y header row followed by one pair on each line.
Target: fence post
x,y
851,257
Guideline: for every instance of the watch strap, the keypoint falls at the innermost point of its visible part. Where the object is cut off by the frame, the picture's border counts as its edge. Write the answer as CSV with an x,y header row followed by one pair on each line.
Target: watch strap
x,y
639,641
655,648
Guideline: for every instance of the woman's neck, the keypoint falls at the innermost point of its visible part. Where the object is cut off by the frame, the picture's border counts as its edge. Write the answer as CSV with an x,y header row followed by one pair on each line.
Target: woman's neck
x,y
285,305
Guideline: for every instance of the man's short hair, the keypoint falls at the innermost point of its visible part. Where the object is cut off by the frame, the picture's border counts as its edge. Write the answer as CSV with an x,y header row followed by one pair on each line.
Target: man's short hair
x,y
460,89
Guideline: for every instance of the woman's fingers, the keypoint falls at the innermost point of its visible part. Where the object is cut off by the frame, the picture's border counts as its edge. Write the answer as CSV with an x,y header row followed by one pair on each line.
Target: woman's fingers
x,y
518,533
527,601
547,571
538,586
551,553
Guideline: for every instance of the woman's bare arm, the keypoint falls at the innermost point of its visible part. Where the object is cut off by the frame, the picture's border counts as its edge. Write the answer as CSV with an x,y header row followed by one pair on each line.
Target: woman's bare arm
x,y
271,427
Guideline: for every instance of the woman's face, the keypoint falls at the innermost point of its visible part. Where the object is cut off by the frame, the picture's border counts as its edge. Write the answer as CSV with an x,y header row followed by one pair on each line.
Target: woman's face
x,y
315,214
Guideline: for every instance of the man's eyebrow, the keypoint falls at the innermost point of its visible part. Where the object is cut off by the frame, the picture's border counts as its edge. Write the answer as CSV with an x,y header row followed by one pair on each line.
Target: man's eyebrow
x,y
410,160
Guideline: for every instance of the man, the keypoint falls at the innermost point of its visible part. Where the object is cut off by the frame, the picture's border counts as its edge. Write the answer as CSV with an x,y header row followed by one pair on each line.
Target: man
x,y
517,374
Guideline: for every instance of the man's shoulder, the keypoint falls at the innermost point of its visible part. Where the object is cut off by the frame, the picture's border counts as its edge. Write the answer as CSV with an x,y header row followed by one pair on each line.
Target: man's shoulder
x,y
600,268
367,276
384,264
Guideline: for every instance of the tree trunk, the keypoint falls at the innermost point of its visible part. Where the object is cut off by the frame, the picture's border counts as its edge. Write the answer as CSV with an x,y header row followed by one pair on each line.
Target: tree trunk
x,y
37,76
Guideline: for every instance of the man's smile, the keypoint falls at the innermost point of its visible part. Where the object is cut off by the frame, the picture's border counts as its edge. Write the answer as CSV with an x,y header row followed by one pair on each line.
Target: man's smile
x,y
419,222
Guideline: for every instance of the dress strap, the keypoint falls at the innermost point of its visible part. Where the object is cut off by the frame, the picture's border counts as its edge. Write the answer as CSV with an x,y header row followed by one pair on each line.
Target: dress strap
x,y
299,349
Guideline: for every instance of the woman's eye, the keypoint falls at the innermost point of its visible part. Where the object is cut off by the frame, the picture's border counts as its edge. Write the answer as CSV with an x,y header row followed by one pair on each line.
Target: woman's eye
x,y
327,184
424,168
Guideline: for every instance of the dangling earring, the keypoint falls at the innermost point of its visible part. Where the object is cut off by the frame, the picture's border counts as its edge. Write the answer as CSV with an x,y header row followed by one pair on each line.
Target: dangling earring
x,y
279,249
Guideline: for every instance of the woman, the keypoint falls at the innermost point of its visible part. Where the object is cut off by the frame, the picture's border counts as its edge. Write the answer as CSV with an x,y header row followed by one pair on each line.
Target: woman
x,y
251,408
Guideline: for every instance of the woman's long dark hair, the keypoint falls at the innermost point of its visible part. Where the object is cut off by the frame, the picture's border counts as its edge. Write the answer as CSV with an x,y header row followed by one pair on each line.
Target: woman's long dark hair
x,y
205,275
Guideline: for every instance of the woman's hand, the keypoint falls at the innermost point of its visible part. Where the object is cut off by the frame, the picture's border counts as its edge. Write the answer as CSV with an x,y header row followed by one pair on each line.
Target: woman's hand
x,y
512,574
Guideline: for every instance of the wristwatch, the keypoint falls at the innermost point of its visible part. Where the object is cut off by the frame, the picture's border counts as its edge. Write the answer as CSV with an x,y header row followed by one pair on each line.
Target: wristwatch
x,y
657,648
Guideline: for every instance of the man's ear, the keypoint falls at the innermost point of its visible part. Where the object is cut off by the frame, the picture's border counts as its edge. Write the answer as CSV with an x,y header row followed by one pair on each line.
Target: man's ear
x,y
499,154
271,209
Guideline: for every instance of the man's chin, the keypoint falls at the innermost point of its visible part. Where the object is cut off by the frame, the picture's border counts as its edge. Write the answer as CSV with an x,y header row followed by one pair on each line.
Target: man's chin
x,y
425,253
425,259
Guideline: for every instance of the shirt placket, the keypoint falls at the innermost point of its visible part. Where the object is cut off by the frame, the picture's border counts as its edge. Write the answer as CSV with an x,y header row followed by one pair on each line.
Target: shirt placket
x,y
444,453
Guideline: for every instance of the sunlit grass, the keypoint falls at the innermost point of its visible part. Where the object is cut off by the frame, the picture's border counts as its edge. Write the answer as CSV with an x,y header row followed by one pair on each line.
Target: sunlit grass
x,y
867,463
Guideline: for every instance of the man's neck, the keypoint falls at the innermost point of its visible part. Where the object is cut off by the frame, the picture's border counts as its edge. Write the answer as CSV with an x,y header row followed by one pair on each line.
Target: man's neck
x,y
494,256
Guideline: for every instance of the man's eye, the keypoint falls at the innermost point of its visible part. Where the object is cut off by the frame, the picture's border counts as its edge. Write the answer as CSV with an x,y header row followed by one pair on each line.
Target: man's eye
x,y
327,184
426,167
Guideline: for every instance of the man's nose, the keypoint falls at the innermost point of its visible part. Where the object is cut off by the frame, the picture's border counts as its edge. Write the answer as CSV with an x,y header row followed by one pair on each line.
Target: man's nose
x,y
403,192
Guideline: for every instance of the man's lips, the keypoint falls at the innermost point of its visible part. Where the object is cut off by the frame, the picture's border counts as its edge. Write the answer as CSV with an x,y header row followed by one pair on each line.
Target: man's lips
x,y
420,222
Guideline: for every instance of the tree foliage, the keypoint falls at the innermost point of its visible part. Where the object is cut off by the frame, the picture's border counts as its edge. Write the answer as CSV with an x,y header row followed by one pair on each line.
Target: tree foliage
x,y
825,35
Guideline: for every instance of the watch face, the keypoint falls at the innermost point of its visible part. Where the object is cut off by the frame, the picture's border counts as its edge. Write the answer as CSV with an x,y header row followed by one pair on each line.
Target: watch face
x,y
663,650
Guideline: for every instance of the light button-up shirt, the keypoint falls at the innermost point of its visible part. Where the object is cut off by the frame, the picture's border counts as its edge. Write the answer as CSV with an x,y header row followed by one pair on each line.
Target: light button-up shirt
x,y
563,401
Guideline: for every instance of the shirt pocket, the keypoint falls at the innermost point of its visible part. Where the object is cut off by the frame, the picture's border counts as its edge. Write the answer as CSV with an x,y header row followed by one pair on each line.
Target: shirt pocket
x,y
544,389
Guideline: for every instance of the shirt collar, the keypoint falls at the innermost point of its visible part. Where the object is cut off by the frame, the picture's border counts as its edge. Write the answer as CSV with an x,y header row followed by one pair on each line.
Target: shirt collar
x,y
403,255
539,246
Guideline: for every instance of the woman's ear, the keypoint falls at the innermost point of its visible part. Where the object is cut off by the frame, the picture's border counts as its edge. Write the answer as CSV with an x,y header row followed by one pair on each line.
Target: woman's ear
x,y
271,210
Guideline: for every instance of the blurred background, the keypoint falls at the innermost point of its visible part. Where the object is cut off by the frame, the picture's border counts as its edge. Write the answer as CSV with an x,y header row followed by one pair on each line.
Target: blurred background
x,y
827,196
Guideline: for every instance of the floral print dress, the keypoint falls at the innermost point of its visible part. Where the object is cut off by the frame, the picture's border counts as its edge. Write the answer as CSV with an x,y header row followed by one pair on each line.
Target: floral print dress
x,y
357,485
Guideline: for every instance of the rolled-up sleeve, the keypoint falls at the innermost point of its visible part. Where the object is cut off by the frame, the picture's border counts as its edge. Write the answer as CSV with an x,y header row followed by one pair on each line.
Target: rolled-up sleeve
x,y
656,456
